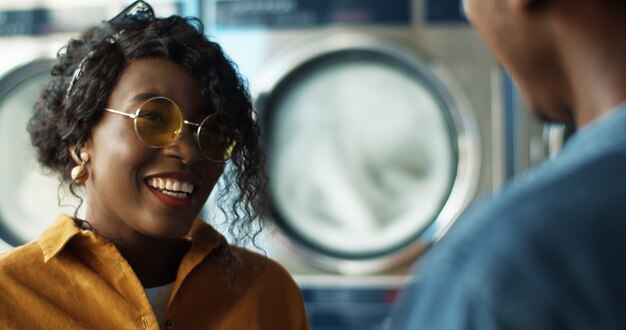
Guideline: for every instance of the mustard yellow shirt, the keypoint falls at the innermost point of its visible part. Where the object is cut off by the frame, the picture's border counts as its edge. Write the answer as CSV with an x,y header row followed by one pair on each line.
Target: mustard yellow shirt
x,y
74,279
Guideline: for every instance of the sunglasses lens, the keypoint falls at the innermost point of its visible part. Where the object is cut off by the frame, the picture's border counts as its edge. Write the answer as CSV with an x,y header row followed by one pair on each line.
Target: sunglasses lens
x,y
159,122
214,140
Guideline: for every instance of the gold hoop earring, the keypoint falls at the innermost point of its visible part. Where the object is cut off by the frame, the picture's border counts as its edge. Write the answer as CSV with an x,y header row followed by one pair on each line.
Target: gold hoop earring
x,y
79,174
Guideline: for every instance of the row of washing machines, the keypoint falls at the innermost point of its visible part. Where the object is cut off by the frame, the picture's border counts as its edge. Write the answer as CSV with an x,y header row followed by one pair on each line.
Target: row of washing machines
x,y
381,121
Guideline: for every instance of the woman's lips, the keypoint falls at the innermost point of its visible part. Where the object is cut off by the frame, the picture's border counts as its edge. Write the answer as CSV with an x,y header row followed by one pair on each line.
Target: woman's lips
x,y
174,202
173,189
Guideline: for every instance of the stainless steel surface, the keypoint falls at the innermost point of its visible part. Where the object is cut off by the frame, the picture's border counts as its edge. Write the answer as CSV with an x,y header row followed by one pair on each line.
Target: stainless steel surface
x,y
459,69
368,241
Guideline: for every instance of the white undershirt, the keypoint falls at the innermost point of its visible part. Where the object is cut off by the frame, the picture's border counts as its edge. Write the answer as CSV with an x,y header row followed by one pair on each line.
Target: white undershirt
x,y
159,296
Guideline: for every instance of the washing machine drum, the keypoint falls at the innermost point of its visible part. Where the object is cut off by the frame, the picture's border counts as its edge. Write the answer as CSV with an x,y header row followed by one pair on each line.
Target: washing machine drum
x,y
28,197
367,155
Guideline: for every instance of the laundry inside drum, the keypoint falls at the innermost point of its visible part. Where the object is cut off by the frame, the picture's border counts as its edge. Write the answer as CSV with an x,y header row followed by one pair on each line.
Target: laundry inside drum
x,y
361,156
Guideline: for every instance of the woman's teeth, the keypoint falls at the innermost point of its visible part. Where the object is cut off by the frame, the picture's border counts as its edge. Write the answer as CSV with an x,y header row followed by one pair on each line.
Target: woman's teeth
x,y
174,194
172,187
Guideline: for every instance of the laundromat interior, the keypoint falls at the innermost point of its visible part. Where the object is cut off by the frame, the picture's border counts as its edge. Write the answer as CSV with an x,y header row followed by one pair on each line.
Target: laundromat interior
x,y
382,121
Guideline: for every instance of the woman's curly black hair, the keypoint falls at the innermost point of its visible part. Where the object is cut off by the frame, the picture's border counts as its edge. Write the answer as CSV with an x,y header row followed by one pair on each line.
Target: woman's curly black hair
x,y
63,119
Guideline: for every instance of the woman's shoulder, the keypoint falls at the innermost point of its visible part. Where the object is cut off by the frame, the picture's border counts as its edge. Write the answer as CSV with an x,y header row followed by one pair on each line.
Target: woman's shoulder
x,y
264,265
239,259
33,257
239,264
22,253
19,259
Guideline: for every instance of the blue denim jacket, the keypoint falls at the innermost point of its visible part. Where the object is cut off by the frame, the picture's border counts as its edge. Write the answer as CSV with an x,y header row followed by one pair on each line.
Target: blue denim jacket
x,y
547,252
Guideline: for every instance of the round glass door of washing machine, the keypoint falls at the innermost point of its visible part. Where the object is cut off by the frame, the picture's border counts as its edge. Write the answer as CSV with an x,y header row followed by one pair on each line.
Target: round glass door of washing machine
x,y
29,199
370,156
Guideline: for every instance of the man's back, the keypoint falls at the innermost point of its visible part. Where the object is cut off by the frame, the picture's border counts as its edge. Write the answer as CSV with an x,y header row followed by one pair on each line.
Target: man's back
x,y
549,251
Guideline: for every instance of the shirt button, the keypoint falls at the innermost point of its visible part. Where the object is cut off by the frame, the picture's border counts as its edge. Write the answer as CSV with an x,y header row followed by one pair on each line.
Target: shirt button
x,y
144,322
169,324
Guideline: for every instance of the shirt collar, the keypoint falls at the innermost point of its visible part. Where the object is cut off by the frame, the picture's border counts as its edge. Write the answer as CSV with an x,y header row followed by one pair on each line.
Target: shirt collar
x,y
56,237
53,239
608,132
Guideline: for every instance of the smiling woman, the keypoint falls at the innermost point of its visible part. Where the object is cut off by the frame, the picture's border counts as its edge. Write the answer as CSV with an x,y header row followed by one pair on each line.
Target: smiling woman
x,y
142,117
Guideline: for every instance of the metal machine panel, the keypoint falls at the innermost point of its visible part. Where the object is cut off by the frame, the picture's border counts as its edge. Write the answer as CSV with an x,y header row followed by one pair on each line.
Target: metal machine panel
x,y
355,109
406,99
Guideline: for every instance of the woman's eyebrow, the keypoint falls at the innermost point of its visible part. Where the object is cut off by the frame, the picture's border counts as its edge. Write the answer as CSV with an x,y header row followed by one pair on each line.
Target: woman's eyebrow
x,y
143,96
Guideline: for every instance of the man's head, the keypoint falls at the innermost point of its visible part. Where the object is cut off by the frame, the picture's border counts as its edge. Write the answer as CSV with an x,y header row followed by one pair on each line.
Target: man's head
x,y
546,46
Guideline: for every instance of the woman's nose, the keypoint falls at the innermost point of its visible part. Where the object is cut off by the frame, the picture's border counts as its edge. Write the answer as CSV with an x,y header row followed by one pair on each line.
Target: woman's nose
x,y
185,147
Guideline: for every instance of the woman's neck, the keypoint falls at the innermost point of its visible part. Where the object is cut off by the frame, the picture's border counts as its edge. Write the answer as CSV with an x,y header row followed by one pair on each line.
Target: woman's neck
x,y
154,261
157,263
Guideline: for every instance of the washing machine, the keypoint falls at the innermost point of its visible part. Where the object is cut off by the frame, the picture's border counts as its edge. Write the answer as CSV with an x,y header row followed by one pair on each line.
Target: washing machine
x,y
382,121
31,34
